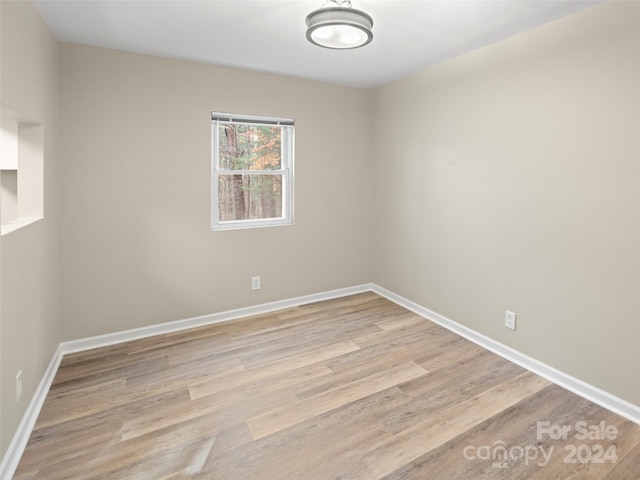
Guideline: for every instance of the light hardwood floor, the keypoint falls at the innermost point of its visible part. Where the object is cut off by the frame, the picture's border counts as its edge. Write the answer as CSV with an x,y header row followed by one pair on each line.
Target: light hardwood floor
x,y
353,388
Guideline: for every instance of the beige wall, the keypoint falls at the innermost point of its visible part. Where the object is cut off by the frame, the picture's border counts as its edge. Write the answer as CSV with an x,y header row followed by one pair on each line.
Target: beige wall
x,y
29,257
509,178
135,150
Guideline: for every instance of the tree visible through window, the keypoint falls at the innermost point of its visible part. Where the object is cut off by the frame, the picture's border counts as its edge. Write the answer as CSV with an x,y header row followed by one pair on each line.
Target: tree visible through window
x,y
253,175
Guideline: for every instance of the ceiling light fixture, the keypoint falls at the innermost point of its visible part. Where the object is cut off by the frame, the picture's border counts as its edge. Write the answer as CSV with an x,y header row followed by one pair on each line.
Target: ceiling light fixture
x,y
339,26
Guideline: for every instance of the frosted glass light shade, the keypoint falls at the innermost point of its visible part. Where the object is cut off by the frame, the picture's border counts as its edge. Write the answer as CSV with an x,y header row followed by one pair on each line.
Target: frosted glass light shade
x,y
339,28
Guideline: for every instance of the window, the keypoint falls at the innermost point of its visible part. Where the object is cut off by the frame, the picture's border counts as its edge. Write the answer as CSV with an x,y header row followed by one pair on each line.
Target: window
x,y
252,184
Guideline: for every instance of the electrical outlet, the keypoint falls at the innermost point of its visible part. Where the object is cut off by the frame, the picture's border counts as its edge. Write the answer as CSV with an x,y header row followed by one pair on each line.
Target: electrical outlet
x,y
510,320
255,283
18,386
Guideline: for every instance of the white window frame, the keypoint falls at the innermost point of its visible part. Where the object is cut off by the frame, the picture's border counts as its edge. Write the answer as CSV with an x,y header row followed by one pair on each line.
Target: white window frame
x,y
286,170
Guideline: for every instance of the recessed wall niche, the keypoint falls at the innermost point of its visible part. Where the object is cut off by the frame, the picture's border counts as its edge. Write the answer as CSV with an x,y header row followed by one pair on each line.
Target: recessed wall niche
x,y
21,170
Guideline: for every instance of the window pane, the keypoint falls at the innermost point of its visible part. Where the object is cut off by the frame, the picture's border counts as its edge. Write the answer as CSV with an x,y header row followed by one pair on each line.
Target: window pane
x,y
249,196
249,147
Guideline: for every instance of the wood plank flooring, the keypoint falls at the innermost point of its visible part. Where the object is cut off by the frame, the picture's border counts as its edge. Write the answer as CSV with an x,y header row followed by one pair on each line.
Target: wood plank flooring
x,y
352,388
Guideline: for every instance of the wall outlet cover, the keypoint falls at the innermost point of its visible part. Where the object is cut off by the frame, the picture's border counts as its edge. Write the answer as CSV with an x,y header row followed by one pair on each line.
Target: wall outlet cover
x,y
510,320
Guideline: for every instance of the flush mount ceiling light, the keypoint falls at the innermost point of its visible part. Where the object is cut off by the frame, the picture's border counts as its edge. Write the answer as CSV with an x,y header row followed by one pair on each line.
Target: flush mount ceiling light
x,y
337,25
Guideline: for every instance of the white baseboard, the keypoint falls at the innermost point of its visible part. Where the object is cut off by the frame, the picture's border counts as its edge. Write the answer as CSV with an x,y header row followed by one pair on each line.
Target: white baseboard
x,y
575,385
19,442
169,327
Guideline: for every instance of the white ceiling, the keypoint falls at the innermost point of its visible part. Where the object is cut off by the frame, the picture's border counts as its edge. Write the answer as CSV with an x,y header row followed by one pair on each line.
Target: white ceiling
x,y
269,35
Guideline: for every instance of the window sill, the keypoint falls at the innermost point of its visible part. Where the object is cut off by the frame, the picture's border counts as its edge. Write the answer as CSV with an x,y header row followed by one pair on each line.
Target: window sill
x,y
244,225
16,224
